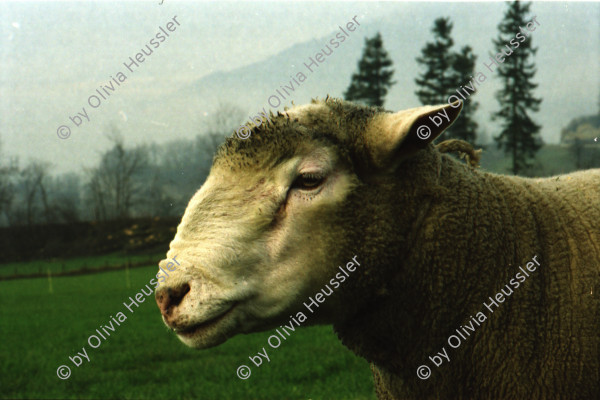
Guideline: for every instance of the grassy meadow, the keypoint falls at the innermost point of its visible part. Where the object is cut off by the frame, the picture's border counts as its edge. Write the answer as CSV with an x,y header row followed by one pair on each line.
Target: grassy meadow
x,y
57,265
142,359
43,322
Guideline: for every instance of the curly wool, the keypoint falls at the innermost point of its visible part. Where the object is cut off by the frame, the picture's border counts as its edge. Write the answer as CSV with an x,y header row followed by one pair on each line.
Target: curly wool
x,y
448,237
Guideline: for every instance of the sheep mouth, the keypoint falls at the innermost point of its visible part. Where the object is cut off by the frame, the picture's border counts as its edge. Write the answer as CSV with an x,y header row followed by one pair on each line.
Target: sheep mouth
x,y
194,329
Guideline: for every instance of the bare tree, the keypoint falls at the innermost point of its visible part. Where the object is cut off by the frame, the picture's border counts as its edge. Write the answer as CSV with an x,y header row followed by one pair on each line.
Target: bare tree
x,y
223,121
32,180
8,172
65,197
113,188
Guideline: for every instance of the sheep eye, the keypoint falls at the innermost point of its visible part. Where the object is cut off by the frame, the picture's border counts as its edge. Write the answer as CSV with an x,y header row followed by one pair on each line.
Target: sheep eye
x,y
307,182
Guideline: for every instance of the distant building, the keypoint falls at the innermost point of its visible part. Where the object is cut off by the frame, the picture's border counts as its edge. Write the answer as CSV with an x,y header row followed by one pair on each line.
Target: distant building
x,y
583,128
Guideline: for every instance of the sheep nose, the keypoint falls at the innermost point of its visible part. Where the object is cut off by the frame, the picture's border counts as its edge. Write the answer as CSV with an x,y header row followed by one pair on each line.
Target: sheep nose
x,y
169,298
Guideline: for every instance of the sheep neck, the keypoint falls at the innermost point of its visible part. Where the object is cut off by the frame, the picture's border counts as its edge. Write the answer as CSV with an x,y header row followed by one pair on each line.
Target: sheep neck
x,y
431,281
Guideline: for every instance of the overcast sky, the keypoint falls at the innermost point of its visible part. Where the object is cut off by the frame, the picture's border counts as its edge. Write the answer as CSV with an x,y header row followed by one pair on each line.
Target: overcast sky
x,y
53,55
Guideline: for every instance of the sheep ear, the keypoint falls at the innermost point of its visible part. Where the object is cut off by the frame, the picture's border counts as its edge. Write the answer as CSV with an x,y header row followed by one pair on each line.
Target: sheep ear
x,y
392,137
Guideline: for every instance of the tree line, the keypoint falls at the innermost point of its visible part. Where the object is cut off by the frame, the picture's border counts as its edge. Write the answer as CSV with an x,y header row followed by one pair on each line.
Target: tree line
x,y
140,181
445,71
158,180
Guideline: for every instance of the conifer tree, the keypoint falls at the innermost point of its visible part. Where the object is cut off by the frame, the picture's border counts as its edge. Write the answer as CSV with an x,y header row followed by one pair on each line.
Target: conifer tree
x,y
374,77
463,69
445,72
518,136
435,84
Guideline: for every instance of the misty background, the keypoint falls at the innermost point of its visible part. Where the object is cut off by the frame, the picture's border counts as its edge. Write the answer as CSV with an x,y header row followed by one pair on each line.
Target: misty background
x,y
214,71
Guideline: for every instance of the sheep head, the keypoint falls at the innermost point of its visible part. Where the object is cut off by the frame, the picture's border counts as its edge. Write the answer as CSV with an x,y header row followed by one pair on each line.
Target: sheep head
x,y
281,210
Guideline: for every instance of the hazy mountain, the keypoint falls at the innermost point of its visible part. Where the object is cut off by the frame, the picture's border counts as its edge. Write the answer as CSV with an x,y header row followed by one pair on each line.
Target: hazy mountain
x,y
560,81
179,86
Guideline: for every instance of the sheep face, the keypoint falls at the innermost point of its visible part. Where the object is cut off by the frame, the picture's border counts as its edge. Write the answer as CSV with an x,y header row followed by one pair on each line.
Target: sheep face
x,y
274,219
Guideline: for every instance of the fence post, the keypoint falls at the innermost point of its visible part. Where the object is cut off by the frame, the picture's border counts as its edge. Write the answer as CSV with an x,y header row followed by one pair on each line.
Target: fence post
x,y
50,289
127,275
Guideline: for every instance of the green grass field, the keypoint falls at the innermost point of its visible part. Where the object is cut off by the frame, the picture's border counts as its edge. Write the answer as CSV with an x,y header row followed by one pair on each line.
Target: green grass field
x,y
57,265
142,359
39,330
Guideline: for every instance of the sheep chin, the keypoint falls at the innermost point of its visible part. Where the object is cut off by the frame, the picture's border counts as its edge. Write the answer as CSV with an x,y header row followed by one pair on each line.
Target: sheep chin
x,y
210,333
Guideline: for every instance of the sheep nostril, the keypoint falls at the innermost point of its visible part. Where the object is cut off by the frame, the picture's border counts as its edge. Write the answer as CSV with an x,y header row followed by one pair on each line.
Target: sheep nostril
x,y
169,298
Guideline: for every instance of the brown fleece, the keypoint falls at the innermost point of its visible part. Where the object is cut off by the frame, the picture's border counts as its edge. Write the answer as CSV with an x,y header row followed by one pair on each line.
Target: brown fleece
x,y
435,239
422,280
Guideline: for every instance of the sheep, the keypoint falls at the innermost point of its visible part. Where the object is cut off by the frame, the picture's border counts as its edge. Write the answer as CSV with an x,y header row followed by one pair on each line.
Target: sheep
x,y
436,239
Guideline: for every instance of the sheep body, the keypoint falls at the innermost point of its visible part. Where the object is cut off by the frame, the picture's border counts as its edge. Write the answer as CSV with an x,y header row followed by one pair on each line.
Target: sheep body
x,y
476,229
435,239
